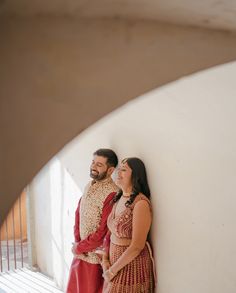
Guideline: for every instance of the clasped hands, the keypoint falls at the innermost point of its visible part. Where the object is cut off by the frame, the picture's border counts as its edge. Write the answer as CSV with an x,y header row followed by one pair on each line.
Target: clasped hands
x,y
108,274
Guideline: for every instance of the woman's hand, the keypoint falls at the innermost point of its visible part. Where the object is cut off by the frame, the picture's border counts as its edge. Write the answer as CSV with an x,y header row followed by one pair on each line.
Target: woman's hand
x,y
108,275
105,265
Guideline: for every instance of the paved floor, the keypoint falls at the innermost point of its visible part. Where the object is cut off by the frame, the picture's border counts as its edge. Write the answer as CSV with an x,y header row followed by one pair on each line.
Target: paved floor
x,y
26,281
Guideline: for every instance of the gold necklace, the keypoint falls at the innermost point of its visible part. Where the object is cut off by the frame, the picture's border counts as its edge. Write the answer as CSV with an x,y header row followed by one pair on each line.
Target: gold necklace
x,y
126,194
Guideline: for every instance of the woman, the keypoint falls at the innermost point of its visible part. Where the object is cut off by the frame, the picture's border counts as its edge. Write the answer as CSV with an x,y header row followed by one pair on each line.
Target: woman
x,y
128,264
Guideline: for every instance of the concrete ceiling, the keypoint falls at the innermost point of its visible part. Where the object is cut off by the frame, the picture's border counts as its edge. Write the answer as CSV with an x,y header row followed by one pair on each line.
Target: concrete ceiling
x,y
216,14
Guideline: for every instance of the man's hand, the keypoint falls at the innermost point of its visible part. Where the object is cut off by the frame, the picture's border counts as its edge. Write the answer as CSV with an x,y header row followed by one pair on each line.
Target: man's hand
x,y
74,245
73,249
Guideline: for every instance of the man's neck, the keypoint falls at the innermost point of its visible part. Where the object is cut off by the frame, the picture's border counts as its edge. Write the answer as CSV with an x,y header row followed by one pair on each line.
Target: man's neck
x,y
101,181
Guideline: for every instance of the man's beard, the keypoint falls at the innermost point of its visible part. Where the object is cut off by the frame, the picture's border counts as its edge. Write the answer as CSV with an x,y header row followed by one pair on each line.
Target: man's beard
x,y
97,176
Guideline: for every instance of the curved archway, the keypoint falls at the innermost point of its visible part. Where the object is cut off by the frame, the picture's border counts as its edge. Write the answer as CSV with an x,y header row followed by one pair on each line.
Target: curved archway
x,y
69,73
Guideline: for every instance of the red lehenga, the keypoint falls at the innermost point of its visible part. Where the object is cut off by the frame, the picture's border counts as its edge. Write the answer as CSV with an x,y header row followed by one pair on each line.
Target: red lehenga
x,y
138,275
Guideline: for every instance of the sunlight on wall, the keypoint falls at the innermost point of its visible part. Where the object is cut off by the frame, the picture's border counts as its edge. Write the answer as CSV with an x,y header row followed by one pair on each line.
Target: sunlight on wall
x,y
63,190
72,194
185,133
55,195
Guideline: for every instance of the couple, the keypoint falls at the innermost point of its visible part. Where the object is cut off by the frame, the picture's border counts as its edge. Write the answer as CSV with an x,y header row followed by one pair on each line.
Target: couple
x,y
119,218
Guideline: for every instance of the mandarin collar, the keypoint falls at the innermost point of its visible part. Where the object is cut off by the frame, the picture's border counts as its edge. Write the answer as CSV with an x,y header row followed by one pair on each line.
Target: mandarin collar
x,y
101,182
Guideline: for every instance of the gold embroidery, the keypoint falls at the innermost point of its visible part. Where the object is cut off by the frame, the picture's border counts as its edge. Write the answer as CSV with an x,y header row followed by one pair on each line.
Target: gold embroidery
x,y
91,211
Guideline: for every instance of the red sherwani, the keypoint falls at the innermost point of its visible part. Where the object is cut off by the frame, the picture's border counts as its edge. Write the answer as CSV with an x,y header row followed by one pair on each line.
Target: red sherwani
x,y
89,231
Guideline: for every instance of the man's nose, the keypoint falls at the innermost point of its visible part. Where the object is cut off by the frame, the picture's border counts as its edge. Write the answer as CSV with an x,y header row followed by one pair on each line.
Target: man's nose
x,y
93,165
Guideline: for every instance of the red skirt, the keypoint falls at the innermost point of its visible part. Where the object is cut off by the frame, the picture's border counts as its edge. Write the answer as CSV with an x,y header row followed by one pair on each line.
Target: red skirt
x,y
84,277
136,277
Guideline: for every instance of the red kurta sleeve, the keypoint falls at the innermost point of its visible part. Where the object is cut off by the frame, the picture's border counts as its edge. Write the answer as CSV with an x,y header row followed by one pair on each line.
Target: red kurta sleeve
x,y
95,239
76,226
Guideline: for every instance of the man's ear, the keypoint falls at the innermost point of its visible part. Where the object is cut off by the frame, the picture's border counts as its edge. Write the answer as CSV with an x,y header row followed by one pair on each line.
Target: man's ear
x,y
110,170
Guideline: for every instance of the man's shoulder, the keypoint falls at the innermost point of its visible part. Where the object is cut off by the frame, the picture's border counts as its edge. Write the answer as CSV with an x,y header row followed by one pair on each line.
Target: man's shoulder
x,y
110,196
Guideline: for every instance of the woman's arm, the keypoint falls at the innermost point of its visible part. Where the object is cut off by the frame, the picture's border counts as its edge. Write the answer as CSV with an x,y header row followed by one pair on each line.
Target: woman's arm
x,y
140,229
105,256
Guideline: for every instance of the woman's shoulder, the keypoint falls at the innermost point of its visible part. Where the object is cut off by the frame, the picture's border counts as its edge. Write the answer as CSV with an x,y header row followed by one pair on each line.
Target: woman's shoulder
x,y
141,198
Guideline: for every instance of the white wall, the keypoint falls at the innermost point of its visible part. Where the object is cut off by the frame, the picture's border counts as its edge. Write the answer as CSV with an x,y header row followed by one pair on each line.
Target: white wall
x,y
185,133
54,196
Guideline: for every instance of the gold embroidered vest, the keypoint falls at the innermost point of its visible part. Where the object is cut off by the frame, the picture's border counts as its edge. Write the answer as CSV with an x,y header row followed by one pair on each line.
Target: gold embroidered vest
x,y
91,206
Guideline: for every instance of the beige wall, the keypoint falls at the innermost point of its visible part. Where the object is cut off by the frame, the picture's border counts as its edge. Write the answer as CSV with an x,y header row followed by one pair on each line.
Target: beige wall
x,y
59,75
185,134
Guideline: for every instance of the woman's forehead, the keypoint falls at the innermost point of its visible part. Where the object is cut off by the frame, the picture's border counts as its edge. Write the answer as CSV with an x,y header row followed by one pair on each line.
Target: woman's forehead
x,y
124,165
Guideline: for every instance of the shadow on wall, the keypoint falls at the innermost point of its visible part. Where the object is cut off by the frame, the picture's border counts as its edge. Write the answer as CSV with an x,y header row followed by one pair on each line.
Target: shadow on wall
x,y
62,68
184,132
15,217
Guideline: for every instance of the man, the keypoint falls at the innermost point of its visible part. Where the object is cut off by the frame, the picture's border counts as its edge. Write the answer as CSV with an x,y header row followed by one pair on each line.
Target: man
x,y
91,224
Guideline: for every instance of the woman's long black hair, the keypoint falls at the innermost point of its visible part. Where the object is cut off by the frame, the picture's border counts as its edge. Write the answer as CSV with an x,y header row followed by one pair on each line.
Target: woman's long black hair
x,y
138,179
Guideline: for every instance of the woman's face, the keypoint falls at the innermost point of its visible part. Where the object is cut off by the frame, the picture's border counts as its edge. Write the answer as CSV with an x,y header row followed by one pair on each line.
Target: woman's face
x,y
124,176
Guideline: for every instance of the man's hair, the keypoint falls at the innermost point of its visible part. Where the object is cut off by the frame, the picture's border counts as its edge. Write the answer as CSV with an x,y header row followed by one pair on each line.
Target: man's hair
x,y
111,156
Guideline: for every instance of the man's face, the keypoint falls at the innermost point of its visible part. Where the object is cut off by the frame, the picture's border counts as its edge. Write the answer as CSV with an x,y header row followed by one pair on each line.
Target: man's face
x,y
99,168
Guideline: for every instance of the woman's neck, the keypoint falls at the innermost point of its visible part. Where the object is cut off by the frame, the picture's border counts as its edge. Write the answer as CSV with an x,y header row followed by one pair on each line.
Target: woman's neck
x,y
126,191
